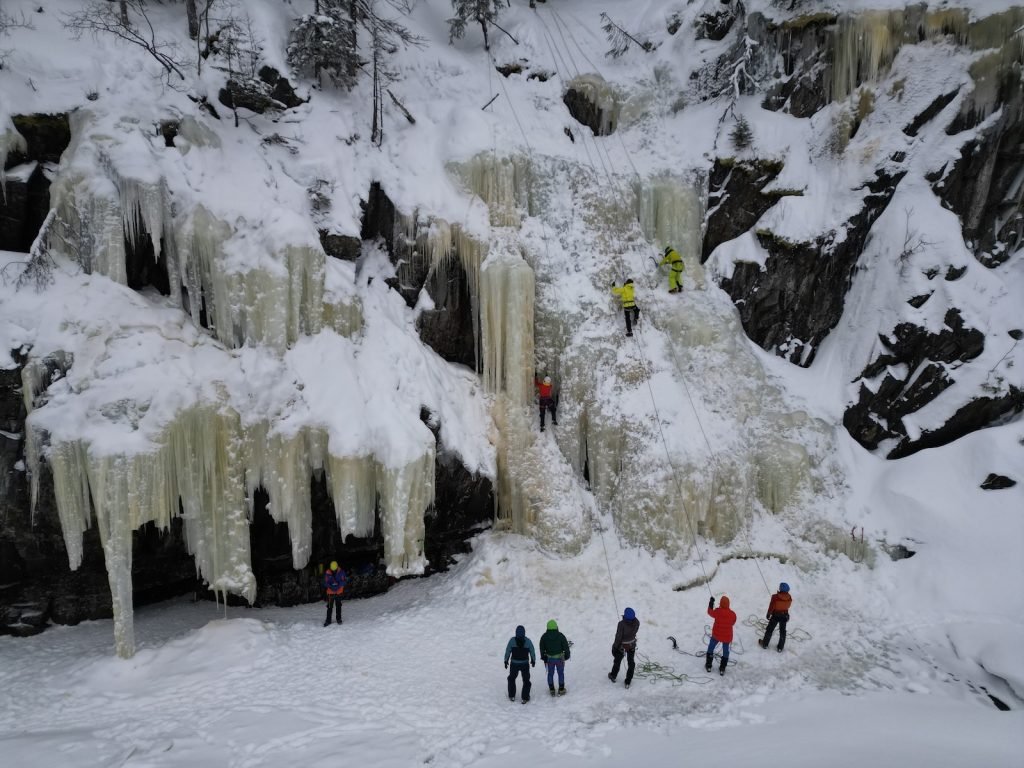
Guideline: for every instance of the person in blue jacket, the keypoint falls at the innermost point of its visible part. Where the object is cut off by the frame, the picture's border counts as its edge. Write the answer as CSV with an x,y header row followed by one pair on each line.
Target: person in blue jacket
x,y
335,580
519,657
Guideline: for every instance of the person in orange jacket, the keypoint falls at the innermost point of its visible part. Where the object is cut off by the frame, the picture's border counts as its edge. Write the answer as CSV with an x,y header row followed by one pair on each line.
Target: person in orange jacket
x,y
546,400
721,632
778,615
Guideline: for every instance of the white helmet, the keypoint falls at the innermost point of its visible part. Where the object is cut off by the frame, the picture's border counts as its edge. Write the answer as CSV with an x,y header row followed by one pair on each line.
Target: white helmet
x,y
547,379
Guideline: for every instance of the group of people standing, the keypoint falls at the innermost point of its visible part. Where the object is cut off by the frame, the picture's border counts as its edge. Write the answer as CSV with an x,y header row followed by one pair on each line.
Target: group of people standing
x,y
555,648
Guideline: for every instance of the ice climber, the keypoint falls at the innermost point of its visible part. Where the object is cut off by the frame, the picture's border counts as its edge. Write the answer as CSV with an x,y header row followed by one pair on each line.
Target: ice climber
x,y
519,653
778,615
554,652
675,269
547,402
721,632
334,583
626,296
625,644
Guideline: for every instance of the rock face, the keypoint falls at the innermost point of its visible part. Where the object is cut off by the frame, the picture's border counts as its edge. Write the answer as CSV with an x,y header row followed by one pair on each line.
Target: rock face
x,y
26,198
792,303
983,185
996,482
736,199
793,59
915,368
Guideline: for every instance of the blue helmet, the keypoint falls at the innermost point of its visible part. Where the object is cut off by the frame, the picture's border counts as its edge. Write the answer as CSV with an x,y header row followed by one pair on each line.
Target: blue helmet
x,y
520,631
783,587
629,614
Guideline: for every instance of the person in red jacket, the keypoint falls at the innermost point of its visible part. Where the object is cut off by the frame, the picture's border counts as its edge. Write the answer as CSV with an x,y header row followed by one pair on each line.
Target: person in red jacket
x,y
778,615
546,400
721,632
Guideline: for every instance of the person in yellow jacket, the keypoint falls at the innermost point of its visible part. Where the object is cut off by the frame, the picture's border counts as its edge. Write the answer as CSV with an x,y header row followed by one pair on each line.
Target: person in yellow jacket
x,y
675,269
626,296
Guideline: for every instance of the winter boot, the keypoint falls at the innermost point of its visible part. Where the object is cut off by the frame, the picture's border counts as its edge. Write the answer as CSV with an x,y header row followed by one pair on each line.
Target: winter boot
x,y
779,649
551,690
708,659
722,665
611,677
627,686
763,644
561,691
512,698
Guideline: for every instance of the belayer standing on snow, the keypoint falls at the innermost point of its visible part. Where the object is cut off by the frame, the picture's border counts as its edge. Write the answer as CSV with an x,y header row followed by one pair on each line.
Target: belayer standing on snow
x,y
334,582
554,651
519,653
625,643
675,269
721,632
778,615
545,399
628,299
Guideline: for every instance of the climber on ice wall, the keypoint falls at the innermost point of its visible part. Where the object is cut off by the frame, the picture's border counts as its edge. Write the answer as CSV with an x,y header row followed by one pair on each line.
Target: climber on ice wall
x,y
675,269
628,299
778,615
335,580
721,632
546,400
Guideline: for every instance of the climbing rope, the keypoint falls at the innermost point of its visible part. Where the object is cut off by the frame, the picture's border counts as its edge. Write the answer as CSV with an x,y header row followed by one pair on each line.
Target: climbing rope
x,y
654,671
792,635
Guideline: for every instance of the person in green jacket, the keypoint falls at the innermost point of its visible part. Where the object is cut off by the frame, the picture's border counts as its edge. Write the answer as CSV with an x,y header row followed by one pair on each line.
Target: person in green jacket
x,y
554,651
628,299
675,269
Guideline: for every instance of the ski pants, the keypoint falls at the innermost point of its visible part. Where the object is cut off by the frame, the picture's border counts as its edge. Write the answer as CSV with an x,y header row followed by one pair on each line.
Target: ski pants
x,y
334,600
554,664
635,311
777,619
548,403
675,279
725,648
515,669
630,664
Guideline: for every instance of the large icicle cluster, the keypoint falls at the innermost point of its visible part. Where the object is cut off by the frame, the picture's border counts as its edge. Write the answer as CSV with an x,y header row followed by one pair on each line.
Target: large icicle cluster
x,y
155,420
250,289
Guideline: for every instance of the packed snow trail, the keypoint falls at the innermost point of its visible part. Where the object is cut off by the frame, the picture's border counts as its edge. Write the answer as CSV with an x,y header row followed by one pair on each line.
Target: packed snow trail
x,y
415,676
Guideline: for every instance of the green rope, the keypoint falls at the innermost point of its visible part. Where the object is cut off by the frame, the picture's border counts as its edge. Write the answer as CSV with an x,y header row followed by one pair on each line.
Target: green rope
x,y
653,671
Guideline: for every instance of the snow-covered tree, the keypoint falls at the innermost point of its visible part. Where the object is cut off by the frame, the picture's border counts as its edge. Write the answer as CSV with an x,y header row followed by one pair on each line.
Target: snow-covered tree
x,y
325,42
483,12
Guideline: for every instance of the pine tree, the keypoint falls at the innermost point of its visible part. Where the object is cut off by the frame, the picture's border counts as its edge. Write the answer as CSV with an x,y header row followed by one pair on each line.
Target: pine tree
x,y
742,135
620,39
324,42
484,12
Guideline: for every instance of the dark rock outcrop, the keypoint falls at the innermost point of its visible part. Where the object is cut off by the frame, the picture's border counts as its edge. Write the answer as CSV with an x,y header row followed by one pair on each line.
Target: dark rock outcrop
x,y
587,112
795,58
448,327
790,305
344,247
715,24
736,199
928,360
996,482
982,188
26,196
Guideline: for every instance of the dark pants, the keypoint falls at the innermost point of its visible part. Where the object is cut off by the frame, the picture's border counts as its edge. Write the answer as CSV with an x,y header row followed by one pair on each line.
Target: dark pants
x,y
553,666
334,600
516,669
777,619
635,312
630,664
549,404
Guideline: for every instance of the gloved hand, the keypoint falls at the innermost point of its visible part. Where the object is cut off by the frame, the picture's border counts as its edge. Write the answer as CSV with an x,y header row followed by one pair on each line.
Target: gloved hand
x,y
544,659
768,616
711,602
506,665
533,663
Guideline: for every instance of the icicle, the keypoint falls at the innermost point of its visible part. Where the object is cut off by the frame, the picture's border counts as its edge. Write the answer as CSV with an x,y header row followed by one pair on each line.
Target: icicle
x,y
507,292
604,98
10,141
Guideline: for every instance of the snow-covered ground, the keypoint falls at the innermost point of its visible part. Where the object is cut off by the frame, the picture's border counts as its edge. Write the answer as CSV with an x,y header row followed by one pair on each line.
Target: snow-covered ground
x,y
888,662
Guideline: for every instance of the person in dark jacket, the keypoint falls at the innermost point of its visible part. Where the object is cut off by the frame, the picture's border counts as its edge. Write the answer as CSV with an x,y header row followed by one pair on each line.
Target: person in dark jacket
x,y
778,615
625,644
519,653
554,651
334,586
721,632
